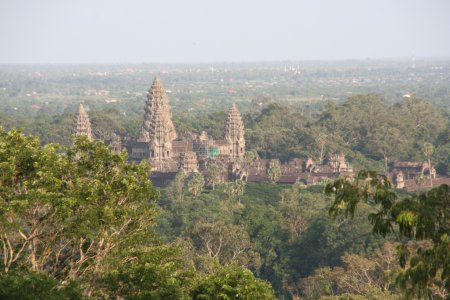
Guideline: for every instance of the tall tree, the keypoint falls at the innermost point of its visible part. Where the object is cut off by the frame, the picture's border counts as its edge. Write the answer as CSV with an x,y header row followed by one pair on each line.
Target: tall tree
x,y
428,150
196,184
315,139
419,120
235,190
387,141
294,221
176,188
273,173
65,215
214,175
226,243
250,157
355,119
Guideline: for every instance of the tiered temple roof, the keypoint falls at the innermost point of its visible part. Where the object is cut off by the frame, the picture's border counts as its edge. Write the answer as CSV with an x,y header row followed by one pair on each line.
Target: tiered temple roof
x,y
158,129
157,114
82,124
234,132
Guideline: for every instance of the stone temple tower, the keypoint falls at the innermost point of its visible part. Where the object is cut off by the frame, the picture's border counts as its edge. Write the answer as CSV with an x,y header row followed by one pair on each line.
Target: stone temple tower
x,y
234,133
81,123
158,129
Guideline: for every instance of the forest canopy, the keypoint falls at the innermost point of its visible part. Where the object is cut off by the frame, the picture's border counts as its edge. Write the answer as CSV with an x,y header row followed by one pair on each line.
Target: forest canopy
x,y
79,222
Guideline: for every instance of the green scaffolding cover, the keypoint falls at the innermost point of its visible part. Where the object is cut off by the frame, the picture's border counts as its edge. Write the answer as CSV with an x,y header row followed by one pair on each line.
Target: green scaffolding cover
x,y
213,151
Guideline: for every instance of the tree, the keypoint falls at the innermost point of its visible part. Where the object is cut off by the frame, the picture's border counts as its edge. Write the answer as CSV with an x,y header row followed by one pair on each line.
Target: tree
x,y
107,122
419,119
156,272
235,190
36,285
232,282
272,134
273,173
423,216
294,221
250,157
428,150
316,139
196,184
224,242
355,119
66,215
382,141
360,275
214,174
419,179
176,188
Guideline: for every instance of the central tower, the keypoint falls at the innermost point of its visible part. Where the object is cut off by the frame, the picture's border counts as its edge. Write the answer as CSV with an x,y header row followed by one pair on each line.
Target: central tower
x,y
234,133
158,129
81,123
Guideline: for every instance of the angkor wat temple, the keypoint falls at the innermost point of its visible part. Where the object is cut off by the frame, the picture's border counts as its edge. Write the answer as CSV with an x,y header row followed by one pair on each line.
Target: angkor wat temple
x,y
169,153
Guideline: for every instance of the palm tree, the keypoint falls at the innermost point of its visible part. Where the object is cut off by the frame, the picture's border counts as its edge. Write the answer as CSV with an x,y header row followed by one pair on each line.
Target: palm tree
x,y
428,150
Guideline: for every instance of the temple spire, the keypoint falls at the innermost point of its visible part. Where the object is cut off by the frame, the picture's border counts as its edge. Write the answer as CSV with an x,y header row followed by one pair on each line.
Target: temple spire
x,y
234,132
82,125
158,128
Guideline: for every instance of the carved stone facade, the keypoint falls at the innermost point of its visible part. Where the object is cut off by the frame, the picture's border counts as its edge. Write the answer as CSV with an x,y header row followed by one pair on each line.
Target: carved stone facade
x,y
234,133
297,170
188,162
412,175
158,130
82,124
168,154
158,141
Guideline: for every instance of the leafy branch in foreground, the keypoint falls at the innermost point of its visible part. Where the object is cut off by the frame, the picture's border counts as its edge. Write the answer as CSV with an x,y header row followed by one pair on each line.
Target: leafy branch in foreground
x,y
425,216
65,214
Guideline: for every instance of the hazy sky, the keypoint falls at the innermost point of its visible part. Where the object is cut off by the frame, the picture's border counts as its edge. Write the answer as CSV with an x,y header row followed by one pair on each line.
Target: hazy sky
x,y
113,31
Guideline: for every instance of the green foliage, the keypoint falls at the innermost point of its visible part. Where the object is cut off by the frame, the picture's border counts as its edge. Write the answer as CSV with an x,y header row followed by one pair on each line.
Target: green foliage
x,y
214,174
176,188
213,123
250,156
360,276
363,127
234,190
291,208
369,187
36,286
260,192
226,243
196,184
280,231
423,216
51,129
273,173
441,154
364,123
66,214
85,216
151,273
272,133
232,282
428,149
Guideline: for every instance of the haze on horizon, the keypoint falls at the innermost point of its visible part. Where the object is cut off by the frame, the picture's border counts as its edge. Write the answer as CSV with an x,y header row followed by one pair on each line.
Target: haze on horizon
x,y
135,31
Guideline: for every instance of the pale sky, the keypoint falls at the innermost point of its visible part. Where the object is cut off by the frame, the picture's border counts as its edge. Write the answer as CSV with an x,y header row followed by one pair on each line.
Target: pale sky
x,y
134,31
